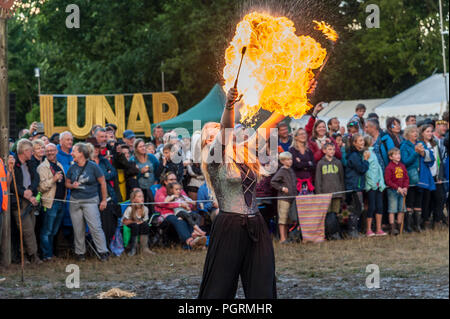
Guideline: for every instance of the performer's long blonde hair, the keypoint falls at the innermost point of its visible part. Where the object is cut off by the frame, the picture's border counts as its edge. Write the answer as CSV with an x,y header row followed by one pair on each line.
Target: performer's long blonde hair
x,y
230,165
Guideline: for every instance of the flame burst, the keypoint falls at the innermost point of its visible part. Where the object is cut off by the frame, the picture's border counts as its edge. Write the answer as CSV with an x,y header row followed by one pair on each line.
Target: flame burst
x,y
327,30
277,67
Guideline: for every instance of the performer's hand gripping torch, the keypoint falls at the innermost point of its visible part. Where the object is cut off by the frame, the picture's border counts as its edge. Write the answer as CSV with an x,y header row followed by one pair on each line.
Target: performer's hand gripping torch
x,y
244,49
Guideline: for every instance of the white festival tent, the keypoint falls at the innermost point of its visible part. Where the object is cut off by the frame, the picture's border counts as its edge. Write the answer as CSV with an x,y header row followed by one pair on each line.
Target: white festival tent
x,y
343,110
425,99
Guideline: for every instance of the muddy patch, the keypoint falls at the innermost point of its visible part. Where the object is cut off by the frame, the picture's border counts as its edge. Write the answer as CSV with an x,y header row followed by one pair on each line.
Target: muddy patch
x,y
416,286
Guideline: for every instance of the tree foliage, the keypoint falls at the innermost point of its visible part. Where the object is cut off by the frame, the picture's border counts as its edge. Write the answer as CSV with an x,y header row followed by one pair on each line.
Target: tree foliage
x,y
122,46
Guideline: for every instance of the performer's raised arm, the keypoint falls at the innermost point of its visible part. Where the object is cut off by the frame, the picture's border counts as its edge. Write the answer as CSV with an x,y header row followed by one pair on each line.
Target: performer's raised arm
x,y
227,120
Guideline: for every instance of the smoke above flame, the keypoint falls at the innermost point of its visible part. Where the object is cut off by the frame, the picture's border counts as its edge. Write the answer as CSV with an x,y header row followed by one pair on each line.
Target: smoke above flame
x,y
277,67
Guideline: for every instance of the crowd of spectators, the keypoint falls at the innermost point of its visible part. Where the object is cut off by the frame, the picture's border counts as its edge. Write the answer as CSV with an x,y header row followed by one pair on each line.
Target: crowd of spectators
x,y
383,182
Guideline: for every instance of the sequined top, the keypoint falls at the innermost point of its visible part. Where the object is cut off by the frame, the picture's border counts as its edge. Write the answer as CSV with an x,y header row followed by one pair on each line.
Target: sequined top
x,y
235,189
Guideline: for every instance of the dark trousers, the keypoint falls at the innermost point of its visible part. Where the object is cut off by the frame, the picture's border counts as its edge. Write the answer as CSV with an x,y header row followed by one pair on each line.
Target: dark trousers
x,y
375,198
139,229
109,217
433,204
239,245
191,218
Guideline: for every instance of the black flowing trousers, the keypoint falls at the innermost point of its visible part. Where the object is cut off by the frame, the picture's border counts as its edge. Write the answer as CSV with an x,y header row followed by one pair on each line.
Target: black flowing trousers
x,y
239,245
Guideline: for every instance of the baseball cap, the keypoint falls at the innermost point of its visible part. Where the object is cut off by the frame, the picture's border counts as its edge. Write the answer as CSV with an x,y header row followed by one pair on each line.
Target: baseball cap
x,y
128,134
35,133
353,123
111,125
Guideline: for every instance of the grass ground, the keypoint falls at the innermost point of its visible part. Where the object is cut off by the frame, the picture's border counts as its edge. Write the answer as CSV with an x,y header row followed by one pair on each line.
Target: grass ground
x,y
326,270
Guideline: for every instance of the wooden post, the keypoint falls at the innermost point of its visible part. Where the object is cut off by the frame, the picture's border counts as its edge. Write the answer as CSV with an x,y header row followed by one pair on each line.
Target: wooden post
x,y
5,247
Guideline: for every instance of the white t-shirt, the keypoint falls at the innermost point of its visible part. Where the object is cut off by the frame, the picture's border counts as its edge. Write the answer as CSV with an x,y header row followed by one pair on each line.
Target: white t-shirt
x,y
434,168
127,213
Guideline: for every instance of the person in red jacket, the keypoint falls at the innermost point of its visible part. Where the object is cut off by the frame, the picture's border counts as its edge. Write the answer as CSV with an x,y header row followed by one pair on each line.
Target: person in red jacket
x,y
397,179
318,136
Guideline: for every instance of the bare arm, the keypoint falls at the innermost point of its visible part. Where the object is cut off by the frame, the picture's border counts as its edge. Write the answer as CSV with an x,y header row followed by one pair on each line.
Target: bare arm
x,y
102,182
227,120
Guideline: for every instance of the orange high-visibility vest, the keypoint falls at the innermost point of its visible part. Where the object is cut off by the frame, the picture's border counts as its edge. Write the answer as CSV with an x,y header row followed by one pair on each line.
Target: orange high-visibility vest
x,y
4,188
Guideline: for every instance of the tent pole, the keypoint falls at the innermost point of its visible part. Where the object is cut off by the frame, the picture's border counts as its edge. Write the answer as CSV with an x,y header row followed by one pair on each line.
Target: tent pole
x,y
443,52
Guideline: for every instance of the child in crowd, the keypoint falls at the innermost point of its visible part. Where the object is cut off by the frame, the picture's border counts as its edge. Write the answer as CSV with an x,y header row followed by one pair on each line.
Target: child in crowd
x,y
357,166
150,147
396,177
136,218
360,110
285,182
185,209
330,179
374,188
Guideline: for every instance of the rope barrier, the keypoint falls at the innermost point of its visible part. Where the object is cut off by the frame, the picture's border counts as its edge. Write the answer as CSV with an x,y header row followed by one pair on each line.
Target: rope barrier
x,y
206,200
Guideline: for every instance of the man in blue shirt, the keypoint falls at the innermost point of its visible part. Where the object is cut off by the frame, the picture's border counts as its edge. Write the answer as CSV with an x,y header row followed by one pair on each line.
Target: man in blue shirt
x,y
284,138
65,158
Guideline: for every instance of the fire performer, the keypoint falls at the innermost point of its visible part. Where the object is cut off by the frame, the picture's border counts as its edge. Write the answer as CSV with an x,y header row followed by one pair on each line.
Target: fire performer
x,y
277,76
240,243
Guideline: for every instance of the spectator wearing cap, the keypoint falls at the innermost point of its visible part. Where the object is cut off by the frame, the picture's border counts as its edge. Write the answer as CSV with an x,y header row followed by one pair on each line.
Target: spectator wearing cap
x,y
110,133
373,116
360,110
112,126
129,137
25,134
54,139
36,135
411,120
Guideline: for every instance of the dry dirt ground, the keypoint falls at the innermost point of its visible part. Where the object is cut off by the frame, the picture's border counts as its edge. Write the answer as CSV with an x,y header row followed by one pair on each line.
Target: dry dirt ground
x,y
410,266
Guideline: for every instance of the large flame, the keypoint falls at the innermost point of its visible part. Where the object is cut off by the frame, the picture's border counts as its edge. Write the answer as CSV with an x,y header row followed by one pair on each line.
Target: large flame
x,y
277,67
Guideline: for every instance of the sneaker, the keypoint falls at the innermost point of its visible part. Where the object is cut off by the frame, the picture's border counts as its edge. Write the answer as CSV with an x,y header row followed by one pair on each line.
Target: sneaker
x,y
380,233
370,233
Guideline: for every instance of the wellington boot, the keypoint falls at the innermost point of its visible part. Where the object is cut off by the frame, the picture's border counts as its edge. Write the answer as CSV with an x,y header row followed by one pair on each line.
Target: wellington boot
x,y
144,245
417,221
393,229
133,246
408,222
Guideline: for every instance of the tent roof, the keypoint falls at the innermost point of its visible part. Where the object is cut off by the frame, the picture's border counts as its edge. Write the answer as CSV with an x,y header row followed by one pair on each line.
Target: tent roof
x,y
343,110
208,109
346,109
425,98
